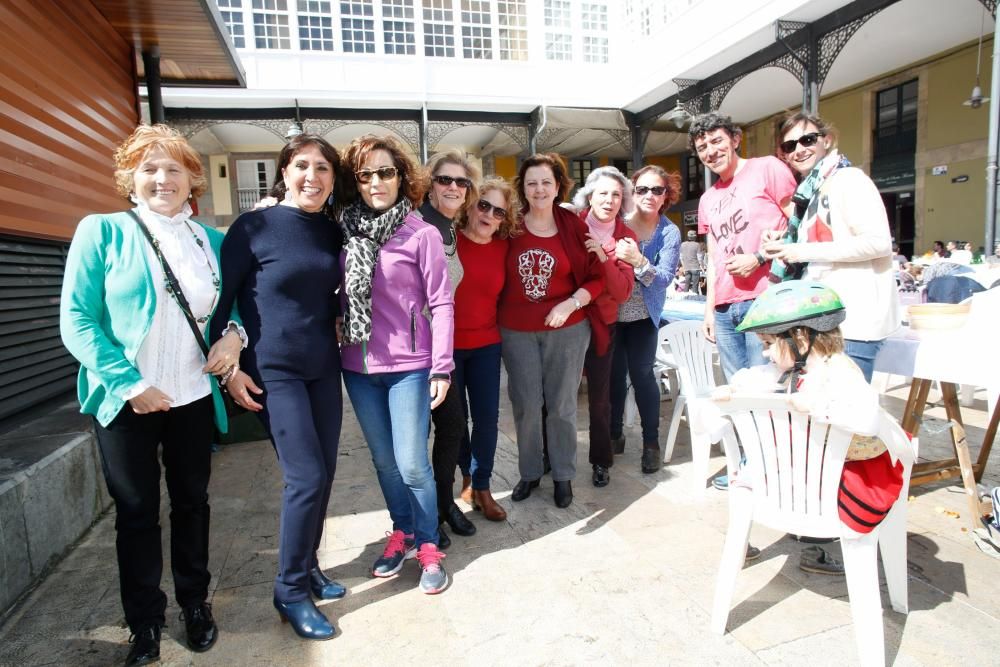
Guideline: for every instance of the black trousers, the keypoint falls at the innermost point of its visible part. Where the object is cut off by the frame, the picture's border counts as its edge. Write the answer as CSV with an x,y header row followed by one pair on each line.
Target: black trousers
x,y
129,448
450,427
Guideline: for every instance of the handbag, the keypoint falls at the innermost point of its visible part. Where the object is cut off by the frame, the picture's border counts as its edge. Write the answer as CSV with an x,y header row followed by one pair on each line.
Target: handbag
x,y
233,409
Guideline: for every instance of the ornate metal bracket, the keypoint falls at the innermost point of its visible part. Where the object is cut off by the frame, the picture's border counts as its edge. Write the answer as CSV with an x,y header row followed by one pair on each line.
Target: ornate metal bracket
x,y
833,42
694,105
439,129
783,29
192,126
407,129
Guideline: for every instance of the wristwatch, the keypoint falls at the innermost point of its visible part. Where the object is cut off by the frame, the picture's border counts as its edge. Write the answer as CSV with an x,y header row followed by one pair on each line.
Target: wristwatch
x,y
576,302
760,258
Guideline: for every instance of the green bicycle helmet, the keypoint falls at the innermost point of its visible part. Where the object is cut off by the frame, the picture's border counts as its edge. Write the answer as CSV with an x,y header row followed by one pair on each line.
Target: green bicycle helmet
x,y
794,303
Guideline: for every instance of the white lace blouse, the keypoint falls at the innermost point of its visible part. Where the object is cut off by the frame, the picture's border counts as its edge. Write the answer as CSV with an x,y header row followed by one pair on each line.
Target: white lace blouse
x,y
170,358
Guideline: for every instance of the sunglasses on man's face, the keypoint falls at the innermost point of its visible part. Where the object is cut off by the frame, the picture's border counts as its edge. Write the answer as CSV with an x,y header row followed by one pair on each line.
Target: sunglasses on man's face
x,y
485,206
655,189
383,173
445,181
806,140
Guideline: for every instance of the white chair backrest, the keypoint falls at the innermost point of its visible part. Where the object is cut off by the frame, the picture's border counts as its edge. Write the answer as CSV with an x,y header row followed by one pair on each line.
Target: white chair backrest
x,y
693,356
794,462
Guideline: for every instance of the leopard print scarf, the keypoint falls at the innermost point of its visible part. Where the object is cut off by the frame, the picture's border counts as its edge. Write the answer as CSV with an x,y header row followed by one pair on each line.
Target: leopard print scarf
x,y
366,230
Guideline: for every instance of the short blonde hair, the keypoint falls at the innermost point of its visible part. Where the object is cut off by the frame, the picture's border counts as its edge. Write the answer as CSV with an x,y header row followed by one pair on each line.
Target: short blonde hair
x,y
457,158
510,226
148,138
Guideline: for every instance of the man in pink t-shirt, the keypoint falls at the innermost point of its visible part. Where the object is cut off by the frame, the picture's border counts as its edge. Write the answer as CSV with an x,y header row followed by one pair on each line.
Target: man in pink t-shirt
x,y
748,199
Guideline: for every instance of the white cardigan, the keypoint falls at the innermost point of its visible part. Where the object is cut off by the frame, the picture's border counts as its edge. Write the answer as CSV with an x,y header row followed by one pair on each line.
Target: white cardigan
x,y
857,263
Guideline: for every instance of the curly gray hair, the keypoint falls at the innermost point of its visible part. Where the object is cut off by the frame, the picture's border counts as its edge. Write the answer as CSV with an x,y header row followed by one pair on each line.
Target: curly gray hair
x,y
581,199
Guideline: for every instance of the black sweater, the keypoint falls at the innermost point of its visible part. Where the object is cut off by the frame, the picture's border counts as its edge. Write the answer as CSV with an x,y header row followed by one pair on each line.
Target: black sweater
x,y
281,265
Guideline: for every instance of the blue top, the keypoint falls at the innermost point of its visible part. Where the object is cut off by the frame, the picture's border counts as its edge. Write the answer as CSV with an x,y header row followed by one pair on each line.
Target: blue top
x,y
663,252
280,265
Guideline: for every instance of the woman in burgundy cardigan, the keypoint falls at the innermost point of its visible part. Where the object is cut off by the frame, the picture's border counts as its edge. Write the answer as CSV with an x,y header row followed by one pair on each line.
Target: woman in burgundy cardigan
x,y
546,318
602,201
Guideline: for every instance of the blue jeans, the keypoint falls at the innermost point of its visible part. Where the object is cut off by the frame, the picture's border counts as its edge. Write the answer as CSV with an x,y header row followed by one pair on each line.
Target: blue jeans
x,y
863,353
394,411
736,350
477,373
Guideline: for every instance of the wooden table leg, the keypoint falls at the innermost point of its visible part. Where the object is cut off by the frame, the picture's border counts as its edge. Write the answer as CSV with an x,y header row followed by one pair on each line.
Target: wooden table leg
x,y
928,471
915,403
984,450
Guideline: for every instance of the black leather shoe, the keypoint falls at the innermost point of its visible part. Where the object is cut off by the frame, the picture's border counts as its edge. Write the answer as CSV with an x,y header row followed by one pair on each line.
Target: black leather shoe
x,y
201,629
443,540
145,647
601,475
459,524
563,493
323,587
522,490
618,445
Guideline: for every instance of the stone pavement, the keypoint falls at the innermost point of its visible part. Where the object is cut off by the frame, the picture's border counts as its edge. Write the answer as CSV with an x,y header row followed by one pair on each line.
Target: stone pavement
x,y
624,576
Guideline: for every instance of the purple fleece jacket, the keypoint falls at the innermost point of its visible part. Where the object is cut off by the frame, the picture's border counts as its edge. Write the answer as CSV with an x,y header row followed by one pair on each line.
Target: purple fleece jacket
x,y
413,311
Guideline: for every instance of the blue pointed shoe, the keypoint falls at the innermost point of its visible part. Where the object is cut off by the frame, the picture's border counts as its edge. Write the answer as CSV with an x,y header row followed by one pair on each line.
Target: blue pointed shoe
x,y
306,620
323,587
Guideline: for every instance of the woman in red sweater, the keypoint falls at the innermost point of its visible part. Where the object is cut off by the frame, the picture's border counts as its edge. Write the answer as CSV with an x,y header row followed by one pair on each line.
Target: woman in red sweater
x,y
483,236
602,201
545,323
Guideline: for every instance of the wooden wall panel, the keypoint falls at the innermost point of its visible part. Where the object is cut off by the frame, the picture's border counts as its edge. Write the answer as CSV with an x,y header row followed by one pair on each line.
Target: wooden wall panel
x,y
67,99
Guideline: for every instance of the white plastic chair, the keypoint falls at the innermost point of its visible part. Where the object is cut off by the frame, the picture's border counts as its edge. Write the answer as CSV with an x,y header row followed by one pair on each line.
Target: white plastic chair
x,y
692,354
790,483
664,365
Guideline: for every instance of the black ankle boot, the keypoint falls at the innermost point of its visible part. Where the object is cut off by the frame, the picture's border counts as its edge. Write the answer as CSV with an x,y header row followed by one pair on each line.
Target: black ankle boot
x,y
651,459
563,494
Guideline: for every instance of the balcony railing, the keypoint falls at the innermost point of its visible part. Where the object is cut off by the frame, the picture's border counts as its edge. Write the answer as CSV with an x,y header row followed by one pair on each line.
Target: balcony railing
x,y
248,198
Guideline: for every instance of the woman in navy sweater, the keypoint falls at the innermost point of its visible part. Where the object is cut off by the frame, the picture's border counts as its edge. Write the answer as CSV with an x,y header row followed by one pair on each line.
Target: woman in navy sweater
x,y
280,264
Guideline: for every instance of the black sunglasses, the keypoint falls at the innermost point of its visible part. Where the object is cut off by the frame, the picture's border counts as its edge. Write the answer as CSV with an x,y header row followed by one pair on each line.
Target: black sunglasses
x,y
448,180
655,189
806,140
485,206
384,174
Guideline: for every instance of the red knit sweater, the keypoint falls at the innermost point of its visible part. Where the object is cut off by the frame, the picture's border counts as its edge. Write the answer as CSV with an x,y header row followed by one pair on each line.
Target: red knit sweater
x,y
478,293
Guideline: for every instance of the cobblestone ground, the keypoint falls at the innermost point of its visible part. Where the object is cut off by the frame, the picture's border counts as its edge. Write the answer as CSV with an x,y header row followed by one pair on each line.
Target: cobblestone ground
x,y
624,576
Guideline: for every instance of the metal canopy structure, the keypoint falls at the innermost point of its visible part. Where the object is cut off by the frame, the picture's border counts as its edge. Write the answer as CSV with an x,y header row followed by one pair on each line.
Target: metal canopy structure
x,y
795,60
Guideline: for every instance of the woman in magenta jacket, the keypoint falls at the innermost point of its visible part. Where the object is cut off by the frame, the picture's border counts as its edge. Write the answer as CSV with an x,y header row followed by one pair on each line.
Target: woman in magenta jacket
x,y
396,346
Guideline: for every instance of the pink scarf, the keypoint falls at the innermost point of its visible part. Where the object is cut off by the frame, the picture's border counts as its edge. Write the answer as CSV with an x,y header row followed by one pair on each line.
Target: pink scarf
x,y
604,231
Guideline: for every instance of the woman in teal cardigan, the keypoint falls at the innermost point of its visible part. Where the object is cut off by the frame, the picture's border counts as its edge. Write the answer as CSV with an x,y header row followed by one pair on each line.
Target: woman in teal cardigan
x,y
144,377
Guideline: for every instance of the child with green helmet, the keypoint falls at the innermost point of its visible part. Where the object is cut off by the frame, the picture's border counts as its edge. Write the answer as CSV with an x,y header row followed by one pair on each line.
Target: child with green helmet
x,y
798,323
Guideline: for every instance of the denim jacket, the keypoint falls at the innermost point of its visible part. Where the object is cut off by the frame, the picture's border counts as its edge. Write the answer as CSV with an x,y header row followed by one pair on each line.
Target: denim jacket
x,y
663,252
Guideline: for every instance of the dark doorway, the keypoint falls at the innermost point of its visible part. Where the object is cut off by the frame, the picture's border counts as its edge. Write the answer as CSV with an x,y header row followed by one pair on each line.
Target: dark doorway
x,y
899,209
